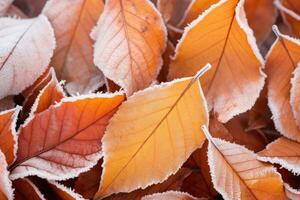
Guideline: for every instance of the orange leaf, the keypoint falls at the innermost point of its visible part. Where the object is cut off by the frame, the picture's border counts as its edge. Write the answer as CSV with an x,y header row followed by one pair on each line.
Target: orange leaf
x,y
173,182
6,191
130,39
280,63
237,174
64,140
73,57
261,15
221,36
152,135
25,189
19,68
295,95
170,195
284,152
63,192
196,8
290,11
8,136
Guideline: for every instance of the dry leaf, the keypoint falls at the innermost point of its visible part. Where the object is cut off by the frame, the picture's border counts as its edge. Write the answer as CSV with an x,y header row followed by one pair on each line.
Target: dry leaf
x,y
6,191
291,193
67,137
284,152
237,174
152,135
130,39
173,182
31,8
63,192
170,195
8,135
222,37
280,64
19,68
261,15
25,189
7,103
73,57
196,8
4,5
295,94
290,14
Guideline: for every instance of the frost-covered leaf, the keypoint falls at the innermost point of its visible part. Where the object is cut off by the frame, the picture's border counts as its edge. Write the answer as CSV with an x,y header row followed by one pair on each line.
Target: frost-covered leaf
x,y
281,62
237,174
4,5
19,68
8,135
284,152
291,193
6,191
73,57
152,135
63,192
64,140
130,39
222,37
170,195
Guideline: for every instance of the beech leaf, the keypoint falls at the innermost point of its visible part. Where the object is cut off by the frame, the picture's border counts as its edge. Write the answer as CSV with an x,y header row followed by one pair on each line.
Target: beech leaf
x,y
237,174
222,37
152,135
130,39
19,68
73,57
64,140
281,62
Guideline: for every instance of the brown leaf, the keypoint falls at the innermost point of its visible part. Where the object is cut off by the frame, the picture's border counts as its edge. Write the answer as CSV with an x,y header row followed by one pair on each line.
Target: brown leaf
x,y
280,64
8,135
221,36
7,103
261,15
64,140
128,49
170,195
73,57
19,68
237,174
63,192
25,189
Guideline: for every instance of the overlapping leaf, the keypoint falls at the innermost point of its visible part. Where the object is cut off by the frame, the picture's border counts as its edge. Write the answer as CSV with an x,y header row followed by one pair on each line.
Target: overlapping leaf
x,y
63,192
25,189
130,39
64,140
4,5
222,37
19,68
151,135
6,191
171,195
73,57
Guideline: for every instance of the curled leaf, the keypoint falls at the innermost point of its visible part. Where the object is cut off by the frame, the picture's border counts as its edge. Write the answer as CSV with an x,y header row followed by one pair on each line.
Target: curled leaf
x,y
25,189
130,39
19,68
63,192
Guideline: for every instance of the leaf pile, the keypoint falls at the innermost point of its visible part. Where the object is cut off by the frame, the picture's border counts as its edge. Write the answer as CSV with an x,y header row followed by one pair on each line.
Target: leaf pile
x,y
140,99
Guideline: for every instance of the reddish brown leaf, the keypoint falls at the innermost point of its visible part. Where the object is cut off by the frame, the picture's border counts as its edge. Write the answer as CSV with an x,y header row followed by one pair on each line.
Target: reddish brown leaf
x,y
25,189
63,192
64,140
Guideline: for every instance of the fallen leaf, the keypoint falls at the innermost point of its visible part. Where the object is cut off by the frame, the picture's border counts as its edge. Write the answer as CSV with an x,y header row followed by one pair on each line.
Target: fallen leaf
x,y
32,8
19,68
4,5
25,189
280,63
284,152
174,182
152,135
261,15
222,37
295,95
237,174
291,193
73,57
7,103
8,135
67,137
15,12
170,195
196,8
6,191
162,77
130,39
290,13
172,10
63,192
